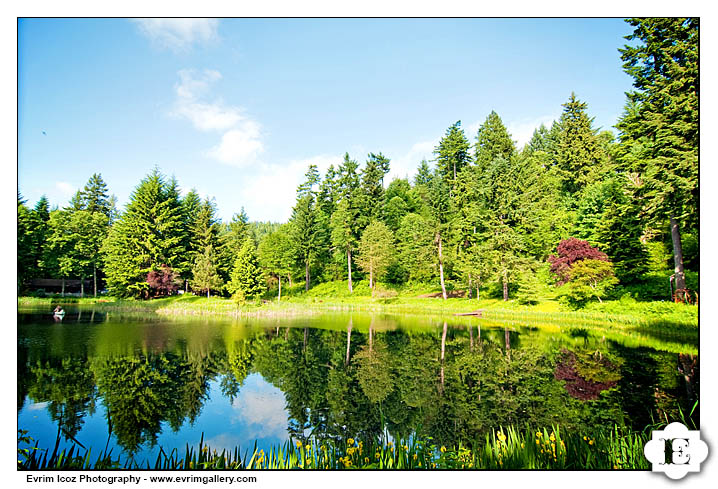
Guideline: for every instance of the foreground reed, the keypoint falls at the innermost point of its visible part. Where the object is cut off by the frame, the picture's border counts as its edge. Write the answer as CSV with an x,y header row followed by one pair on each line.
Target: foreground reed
x,y
505,448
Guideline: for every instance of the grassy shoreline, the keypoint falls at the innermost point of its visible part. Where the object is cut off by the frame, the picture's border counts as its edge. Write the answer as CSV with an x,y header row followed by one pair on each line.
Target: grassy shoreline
x,y
629,312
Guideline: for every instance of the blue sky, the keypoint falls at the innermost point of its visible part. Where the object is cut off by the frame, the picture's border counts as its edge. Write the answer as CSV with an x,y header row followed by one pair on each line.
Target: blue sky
x,y
238,108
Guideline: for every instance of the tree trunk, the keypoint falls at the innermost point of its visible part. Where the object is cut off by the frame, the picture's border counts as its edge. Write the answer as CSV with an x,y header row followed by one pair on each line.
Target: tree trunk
x,y
471,336
289,277
94,279
469,291
306,275
441,268
279,295
207,292
349,266
507,339
63,287
82,286
478,297
678,259
349,341
371,277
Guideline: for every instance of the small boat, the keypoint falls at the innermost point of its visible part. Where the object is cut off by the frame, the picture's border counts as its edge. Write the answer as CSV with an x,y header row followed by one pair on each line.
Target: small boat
x,y
59,313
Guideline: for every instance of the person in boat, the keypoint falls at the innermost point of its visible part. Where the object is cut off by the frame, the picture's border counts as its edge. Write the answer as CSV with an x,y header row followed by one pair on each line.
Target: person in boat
x,y
59,310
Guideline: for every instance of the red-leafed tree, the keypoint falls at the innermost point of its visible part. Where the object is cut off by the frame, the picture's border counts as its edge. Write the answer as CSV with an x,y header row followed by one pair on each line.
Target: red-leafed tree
x,y
163,281
570,251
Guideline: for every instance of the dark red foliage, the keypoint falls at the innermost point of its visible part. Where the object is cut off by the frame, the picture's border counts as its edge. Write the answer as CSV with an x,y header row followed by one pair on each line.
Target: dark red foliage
x,y
163,281
577,386
570,251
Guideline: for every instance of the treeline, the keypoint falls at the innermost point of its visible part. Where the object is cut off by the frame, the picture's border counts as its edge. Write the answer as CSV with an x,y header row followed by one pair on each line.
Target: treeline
x,y
574,206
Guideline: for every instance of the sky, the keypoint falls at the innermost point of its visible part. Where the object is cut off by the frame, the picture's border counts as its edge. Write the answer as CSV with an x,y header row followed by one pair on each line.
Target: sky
x,y
238,108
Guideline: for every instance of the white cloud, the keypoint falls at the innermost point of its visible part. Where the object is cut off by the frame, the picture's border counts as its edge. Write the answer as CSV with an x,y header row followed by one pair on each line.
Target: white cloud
x,y
178,34
240,146
260,409
270,194
522,130
407,164
66,189
190,103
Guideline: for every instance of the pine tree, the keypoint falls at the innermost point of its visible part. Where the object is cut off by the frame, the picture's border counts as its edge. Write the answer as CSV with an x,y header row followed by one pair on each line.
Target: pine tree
x,y
346,222
662,122
423,174
452,152
247,279
95,197
372,188
579,156
306,230
147,235
205,276
492,141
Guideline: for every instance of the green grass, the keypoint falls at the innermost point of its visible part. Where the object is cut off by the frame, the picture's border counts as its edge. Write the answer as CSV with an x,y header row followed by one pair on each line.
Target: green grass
x,y
505,448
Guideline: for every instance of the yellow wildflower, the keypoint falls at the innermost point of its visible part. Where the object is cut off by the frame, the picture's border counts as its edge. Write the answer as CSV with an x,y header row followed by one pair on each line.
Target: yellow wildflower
x,y
538,434
442,449
538,442
552,437
389,443
366,460
376,455
350,441
415,456
307,447
501,436
299,444
522,445
584,438
590,442
406,447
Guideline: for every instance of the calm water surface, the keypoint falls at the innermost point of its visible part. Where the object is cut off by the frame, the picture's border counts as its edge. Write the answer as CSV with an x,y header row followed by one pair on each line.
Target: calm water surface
x,y
134,384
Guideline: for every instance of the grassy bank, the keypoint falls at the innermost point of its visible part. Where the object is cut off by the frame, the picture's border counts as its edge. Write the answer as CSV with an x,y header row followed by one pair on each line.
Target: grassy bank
x,y
505,448
334,296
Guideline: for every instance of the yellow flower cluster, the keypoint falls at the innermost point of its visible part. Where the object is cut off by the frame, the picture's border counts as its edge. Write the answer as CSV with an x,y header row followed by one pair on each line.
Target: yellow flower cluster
x,y
350,441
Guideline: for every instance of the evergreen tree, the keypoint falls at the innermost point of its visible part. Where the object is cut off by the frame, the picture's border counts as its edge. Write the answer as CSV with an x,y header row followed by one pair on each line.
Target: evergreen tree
x,y
147,235
247,279
423,174
306,232
579,155
205,276
452,152
346,222
662,122
94,196
372,187
493,141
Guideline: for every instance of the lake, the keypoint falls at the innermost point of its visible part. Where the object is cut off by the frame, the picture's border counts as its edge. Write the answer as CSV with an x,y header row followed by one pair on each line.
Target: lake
x,y
134,383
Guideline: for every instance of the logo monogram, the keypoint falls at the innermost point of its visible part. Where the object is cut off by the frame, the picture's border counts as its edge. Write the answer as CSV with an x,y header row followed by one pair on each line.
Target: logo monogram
x,y
676,450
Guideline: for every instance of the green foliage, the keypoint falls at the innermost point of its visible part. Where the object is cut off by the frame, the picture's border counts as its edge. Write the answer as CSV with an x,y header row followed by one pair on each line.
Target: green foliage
x,y
588,279
376,250
492,141
579,155
147,235
452,153
247,278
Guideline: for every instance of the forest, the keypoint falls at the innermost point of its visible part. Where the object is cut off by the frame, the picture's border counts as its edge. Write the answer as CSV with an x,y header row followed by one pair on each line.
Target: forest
x,y
584,212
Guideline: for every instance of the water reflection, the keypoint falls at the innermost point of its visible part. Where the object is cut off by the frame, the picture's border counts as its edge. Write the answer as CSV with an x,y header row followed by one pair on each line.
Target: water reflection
x,y
138,384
